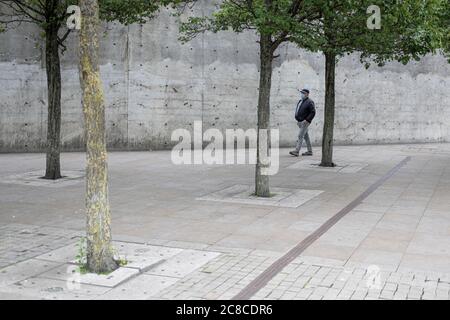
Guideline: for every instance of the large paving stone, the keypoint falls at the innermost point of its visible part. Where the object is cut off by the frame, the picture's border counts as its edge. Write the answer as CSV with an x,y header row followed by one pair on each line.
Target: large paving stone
x,y
138,251
23,270
183,263
63,255
142,287
43,288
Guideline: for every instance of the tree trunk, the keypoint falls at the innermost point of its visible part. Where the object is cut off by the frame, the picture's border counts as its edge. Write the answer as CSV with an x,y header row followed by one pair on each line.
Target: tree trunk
x,y
328,127
53,68
100,256
265,84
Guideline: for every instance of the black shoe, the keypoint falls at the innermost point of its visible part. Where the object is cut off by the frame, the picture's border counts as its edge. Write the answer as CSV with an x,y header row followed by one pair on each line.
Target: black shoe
x,y
294,153
306,154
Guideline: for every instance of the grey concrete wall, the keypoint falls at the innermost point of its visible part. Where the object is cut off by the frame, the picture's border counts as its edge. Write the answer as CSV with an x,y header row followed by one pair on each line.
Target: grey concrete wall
x,y
155,85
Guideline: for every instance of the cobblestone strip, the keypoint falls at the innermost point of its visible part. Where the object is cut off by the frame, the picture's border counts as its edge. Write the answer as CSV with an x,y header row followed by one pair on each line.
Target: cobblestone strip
x,y
316,282
223,277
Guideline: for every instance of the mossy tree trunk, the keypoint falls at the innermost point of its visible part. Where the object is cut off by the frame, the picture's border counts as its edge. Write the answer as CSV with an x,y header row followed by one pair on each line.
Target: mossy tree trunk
x,y
330,102
100,256
53,69
265,85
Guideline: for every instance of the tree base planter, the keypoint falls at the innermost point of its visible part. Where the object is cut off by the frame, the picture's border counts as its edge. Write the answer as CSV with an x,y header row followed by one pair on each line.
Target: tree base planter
x,y
316,166
328,165
72,274
140,259
35,179
149,270
53,177
280,197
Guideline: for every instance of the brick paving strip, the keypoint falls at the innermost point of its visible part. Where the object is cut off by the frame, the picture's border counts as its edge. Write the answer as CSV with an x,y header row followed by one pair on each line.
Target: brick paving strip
x,y
261,281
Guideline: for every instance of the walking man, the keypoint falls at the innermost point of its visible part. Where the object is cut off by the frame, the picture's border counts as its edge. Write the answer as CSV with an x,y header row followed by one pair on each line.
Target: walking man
x,y
304,114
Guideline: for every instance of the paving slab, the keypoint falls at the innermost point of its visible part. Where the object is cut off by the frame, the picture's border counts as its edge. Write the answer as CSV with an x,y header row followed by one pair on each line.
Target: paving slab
x,y
50,289
426,263
20,242
65,254
144,287
142,256
183,263
141,249
23,270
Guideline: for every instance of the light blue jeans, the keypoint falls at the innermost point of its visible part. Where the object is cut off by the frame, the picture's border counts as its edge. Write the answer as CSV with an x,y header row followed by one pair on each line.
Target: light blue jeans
x,y
303,135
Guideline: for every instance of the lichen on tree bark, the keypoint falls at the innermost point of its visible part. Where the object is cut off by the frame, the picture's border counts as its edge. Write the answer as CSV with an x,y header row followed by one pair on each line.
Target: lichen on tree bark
x,y
100,255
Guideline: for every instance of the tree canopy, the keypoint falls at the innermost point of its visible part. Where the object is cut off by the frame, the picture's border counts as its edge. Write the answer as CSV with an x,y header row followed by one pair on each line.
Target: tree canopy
x,y
410,30
278,18
43,12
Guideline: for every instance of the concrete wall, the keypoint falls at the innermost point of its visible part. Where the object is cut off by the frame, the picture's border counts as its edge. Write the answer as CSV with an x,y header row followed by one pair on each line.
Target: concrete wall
x,y
155,85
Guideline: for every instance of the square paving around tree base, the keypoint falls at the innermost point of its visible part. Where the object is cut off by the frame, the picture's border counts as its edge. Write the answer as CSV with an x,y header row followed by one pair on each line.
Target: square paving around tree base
x,y
244,194
341,168
35,179
142,259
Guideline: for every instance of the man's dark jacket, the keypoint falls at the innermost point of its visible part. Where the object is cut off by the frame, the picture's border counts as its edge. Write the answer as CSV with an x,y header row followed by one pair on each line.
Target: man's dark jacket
x,y
306,111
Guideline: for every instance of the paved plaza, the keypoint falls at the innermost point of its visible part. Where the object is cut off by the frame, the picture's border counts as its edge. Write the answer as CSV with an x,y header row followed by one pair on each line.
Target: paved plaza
x,y
375,227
